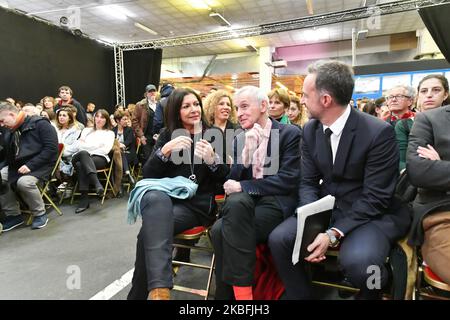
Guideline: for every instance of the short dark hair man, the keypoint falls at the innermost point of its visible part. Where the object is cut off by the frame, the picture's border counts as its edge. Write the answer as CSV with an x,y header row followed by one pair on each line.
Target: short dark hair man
x,y
358,165
32,150
66,95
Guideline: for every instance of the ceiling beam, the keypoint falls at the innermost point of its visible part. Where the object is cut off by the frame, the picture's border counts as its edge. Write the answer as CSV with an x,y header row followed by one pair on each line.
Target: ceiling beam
x,y
282,26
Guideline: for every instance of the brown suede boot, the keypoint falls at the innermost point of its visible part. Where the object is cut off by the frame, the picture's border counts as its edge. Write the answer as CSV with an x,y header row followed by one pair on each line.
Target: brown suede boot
x,y
159,294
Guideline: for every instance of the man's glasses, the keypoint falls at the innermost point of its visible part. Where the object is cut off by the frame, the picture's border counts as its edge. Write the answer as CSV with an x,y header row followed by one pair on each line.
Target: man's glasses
x,y
397,97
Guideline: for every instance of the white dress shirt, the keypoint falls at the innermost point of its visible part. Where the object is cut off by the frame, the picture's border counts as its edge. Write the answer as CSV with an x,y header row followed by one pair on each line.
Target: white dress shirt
x,y
337,127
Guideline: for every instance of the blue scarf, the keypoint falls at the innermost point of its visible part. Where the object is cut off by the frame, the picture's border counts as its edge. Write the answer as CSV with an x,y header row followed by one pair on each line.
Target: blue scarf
x,y
178,187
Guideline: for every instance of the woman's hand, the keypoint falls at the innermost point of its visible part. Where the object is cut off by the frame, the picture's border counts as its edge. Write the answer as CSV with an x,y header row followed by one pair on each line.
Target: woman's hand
x,y
177,144
205,151
428,153
122,146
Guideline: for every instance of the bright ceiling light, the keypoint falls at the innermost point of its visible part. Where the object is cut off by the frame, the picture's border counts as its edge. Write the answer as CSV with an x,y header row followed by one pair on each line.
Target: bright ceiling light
x,y
241,42
145,28
199,4
116,12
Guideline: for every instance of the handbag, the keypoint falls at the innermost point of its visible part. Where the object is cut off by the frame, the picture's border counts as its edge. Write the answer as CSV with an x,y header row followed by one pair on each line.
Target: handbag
x,y
404,190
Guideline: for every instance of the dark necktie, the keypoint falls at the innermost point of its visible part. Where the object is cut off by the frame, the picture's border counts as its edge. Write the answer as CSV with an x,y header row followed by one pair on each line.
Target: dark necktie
x,y
328,134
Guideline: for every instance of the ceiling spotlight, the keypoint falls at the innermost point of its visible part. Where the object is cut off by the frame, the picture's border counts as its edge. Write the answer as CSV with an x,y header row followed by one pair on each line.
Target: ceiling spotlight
x,y
220,19
145,28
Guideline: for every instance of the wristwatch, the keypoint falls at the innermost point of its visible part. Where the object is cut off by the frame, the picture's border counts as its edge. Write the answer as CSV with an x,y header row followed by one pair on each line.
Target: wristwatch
x,y
161,156
334,242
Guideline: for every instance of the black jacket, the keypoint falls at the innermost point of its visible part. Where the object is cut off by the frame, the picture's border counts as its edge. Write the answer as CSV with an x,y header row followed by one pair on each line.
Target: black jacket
x,y
207,179
129,142
281,174
362,179
37,149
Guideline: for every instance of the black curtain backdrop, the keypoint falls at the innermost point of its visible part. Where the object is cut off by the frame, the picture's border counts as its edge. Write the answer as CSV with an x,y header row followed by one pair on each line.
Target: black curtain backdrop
x,y
141,67
37,58
436,21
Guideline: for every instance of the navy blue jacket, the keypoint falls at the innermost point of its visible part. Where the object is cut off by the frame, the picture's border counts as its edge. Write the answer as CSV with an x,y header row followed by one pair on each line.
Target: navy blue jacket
x,y
363,176
283,184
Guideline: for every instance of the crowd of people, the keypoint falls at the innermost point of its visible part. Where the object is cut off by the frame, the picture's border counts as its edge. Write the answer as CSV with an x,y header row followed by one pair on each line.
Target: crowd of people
x,y
284,152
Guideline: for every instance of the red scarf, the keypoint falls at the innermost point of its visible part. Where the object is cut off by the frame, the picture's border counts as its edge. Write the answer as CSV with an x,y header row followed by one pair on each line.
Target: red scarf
x,y
407,115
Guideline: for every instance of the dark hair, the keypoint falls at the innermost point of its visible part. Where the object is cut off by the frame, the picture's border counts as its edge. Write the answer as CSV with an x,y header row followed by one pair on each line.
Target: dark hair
x,y
69,114
51,114
443,81
105,115
65,88
370,108
335,78
380,101
172,118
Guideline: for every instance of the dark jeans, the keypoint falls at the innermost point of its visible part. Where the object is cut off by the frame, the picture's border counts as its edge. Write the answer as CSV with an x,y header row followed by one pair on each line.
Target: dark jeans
x,y
246,222
86,167
161,220
363,247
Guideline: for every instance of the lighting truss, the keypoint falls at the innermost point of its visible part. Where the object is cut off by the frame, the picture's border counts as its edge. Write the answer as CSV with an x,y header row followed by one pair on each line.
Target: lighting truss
x,y
288,25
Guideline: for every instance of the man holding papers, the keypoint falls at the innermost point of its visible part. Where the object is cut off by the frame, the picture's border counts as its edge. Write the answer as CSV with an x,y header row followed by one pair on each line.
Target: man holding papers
x,y
356,157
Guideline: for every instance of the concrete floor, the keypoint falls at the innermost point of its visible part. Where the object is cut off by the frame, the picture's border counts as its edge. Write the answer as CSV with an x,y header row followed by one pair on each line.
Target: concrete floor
x,y
97,244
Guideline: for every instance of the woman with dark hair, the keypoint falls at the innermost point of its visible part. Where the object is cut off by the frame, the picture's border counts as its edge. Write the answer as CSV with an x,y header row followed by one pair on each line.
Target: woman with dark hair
x,y
182,152
68,135
94,146
432,92
127,141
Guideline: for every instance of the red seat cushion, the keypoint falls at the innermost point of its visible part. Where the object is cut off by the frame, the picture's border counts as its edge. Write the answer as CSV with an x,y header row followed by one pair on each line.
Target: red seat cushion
x,y
194,231
432,275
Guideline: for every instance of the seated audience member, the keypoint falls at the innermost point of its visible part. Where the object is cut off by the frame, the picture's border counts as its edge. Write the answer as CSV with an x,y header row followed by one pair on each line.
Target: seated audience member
x,y
90,109
48,103
31,153
11,100
179,153
400,100
94,145
77,124
432,92
279,103
261,191
428,167
219,110
127,141
65,94
357,165
297,112
68,135
30,110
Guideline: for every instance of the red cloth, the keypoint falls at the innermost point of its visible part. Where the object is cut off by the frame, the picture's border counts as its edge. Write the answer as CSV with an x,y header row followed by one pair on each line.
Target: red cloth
x,y
268,285
406,115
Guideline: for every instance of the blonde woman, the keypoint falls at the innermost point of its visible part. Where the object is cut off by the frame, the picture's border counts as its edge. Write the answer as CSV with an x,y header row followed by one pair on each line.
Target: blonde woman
x,y
297,112
220,111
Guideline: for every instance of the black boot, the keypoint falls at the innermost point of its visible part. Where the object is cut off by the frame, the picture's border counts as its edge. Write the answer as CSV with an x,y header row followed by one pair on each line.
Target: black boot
x,y
83,204
93,179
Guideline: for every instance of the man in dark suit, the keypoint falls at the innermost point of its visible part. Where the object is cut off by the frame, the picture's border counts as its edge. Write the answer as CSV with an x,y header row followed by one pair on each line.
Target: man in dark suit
x,y
358,165
261,192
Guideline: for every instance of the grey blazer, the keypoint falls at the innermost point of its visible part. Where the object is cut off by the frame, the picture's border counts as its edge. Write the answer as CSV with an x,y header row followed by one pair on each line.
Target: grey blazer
x,y
431,177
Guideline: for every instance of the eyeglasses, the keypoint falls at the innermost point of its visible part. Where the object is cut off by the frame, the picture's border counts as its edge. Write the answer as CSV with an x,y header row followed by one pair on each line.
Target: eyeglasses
x,y
397,97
